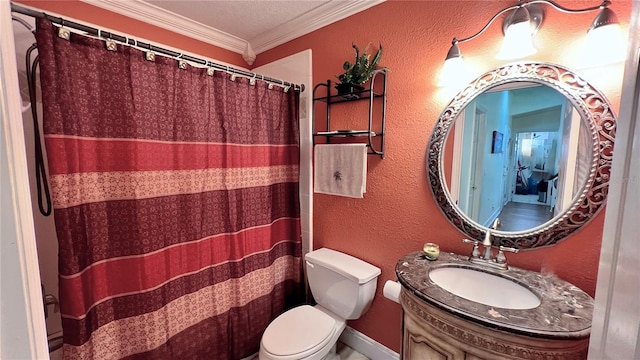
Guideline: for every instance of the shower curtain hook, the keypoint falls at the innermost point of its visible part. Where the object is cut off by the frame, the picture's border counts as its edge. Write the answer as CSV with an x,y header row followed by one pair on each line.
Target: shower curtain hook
x,y
149,54
63,33
252,81
233,75
111,44
181,63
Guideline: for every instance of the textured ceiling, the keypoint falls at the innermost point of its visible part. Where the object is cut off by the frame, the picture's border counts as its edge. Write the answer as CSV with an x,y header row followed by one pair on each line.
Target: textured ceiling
x,y
247,27
244,19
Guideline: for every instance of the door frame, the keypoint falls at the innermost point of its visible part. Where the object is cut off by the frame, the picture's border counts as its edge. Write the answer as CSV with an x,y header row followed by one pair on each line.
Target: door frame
x,y
22,323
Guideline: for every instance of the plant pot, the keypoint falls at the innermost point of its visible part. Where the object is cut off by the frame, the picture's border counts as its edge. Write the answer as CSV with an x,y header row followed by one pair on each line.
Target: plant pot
x,y
349,91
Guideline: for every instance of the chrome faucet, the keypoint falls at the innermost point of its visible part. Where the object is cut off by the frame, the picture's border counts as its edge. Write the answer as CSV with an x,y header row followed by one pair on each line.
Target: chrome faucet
x,y
500,261
487,245
487,240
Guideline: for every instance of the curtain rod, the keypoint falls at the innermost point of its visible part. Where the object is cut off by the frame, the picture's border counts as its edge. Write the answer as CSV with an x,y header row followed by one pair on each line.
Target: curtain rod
x,y
123,39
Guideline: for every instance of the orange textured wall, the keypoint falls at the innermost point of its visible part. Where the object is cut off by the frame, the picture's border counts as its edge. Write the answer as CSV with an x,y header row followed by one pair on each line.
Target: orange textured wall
x,y
100,17
398,213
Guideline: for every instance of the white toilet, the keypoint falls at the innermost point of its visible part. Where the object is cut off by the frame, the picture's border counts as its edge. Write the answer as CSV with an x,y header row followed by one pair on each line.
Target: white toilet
x,y
343,287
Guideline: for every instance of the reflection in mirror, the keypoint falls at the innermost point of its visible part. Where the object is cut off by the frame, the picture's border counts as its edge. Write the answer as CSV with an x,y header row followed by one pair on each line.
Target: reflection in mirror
x,y
519,153
529,143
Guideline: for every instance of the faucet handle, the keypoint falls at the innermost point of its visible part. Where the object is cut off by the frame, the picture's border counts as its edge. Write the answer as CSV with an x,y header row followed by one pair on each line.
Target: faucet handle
x,y
475,252
513,250
500,258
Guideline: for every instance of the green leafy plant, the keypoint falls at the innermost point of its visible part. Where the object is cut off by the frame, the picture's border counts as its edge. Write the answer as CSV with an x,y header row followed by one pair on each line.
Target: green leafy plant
x,y
362,68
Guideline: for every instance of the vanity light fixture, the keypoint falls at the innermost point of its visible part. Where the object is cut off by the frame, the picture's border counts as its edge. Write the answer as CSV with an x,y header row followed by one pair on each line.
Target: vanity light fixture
x,y
603,37
518,35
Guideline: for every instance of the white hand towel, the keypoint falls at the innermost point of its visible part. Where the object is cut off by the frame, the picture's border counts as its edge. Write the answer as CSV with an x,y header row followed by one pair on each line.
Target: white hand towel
x,y
340,169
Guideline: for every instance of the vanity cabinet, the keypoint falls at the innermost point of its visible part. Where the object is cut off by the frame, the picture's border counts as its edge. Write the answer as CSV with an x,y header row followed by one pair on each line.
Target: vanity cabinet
x,y
431,333
375,97
438,325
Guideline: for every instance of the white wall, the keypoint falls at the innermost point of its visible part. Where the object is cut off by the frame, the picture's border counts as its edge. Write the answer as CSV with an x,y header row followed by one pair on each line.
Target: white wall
x,y
529,99
297,69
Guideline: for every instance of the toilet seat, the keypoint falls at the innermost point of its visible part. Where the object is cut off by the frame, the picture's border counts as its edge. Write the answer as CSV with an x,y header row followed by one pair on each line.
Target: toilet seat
x,y
298,333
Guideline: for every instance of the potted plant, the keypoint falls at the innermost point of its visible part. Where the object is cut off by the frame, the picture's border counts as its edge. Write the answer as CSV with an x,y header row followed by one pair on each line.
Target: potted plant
x,y
358,72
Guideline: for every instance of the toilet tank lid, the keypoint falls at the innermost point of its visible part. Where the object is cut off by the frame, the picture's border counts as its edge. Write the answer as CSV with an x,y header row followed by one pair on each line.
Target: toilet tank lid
x,y
343,264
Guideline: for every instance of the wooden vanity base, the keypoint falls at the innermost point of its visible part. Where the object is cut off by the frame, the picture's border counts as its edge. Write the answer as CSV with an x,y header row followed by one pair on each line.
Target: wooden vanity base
x,y
430,333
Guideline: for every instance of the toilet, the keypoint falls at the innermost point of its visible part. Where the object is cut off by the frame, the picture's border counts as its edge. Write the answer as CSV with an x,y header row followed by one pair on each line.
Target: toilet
x,y
343,286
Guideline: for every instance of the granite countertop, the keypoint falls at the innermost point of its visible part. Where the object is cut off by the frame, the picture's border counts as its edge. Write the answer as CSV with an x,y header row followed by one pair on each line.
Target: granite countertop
x,y
564,312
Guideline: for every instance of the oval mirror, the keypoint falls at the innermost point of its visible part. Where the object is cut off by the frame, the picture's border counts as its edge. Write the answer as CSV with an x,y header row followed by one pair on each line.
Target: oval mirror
x,y
529,144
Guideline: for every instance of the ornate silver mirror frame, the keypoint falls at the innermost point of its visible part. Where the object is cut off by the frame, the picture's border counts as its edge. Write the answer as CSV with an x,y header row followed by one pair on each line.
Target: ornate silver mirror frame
x,y
596,114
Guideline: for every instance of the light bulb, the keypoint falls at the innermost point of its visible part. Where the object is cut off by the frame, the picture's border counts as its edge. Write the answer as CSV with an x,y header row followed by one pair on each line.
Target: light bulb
x,y
603,45
455,73
518,42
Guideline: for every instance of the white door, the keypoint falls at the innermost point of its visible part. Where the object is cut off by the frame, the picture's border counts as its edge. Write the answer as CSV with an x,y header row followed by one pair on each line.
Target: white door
x,y
477,169
568,158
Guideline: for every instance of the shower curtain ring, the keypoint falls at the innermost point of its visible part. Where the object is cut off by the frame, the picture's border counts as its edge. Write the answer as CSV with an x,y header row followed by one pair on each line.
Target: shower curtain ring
x,y
63,32
285,88
233,75
149,55
111,44
181,63
252,81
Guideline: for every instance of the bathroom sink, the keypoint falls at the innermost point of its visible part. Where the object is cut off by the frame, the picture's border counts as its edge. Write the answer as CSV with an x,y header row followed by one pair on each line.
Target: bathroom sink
x,y
484,288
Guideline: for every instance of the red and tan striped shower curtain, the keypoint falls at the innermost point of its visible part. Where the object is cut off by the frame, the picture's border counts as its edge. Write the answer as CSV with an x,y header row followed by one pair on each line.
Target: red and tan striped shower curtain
x,y
176,203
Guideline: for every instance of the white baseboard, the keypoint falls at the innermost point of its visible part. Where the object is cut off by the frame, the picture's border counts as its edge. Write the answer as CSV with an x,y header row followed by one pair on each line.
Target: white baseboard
x,y
367,346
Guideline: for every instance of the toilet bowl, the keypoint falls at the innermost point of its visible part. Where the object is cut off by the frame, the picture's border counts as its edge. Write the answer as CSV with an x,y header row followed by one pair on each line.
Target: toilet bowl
x,y
304,332
343,286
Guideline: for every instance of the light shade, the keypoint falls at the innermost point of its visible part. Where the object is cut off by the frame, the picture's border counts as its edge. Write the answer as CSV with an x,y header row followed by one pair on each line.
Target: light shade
x,y
604,43
518,39
454,71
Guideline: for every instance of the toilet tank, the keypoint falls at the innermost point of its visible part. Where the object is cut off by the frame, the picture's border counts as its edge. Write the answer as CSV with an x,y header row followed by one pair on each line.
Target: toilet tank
x,y
341,283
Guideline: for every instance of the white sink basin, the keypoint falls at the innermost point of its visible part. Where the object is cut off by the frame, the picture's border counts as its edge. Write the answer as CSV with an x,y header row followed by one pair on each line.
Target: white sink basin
x,y
484,288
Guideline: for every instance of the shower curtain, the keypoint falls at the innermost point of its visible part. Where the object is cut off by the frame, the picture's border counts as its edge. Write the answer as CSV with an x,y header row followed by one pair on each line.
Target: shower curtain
x,y
176,202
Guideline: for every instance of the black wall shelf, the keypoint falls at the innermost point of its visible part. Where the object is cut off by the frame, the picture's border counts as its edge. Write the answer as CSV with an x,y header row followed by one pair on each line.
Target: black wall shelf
x,y
376,95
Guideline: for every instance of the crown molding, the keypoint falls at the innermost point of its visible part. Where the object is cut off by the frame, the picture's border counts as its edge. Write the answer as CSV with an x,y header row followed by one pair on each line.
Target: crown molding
x,y
168,20
322,16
